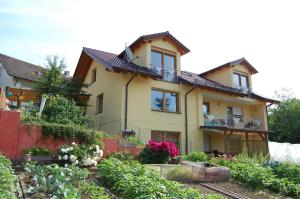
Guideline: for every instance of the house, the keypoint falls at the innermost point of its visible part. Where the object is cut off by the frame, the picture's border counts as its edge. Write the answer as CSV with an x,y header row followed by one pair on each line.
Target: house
x,y
19,78
149,94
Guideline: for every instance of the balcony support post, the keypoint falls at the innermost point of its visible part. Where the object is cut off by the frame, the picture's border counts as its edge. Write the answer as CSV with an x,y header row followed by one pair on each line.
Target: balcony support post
x,y
247,143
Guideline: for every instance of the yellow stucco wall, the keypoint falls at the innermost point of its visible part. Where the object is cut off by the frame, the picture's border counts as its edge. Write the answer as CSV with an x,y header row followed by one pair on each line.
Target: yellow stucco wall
x,y
225,75
111,85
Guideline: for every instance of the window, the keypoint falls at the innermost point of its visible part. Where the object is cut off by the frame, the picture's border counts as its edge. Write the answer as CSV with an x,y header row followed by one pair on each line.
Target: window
x,y
94,75
164,64
99,106
240,81
205,108
167,136
164,101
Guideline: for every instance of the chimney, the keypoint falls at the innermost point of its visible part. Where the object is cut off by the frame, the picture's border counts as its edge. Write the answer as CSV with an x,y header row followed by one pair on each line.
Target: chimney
x,y
67,73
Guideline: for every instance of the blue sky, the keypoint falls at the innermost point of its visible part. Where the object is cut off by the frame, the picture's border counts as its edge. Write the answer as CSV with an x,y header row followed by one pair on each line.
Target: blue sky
x,y
217,31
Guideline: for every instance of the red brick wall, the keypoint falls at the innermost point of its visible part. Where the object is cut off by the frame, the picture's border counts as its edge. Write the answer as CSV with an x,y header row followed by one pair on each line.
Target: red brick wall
x,y
15,137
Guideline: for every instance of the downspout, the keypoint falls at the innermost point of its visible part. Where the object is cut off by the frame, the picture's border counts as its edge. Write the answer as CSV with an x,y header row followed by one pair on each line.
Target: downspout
x,y
267,135
126,99
186,120
267,113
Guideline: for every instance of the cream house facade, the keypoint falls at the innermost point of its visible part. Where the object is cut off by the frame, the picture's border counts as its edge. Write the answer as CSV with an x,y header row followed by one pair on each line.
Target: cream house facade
x,y
150,95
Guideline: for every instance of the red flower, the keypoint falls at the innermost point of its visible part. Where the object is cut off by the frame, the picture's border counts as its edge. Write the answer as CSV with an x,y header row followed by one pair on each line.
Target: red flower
x,y
164,146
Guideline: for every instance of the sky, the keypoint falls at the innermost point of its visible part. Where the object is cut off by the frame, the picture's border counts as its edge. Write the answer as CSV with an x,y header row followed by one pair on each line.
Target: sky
x,y
266,33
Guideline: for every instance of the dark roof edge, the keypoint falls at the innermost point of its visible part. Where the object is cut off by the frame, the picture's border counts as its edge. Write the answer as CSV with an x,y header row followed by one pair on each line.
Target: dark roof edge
x,y
156,35
232,63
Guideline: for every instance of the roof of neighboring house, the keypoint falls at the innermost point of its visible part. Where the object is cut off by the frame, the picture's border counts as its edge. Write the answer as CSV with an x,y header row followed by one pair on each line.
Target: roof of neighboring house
x,y
21,69
196,80
231,64
111,61
183,48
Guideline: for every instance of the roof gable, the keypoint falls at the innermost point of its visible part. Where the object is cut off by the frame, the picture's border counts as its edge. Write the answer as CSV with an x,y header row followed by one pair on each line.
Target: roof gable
x,y
241,61
162,35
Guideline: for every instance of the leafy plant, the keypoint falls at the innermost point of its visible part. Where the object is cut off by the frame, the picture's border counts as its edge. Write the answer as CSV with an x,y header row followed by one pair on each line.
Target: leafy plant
x,y
37,151
7,179
59,182
69,132
196,156
135,140
158,152
123,156
60,110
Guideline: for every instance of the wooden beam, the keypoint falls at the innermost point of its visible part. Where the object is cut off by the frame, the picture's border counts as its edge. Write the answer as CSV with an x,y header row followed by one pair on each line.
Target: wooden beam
x,y
247,143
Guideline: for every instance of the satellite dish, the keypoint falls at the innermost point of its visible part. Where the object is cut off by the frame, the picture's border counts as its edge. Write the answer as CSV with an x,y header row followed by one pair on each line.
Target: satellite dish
x,y
128,54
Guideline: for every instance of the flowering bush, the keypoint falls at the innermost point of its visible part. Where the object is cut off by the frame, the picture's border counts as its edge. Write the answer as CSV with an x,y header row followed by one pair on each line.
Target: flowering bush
x,y
158,152
81,155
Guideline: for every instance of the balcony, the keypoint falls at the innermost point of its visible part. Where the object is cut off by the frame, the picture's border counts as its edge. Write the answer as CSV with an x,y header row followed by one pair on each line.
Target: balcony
x,y
166,73
231,121
243,89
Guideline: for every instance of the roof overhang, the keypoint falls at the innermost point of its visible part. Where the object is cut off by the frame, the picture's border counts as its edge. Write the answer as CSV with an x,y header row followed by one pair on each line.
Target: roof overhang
x,y
163,35
241,61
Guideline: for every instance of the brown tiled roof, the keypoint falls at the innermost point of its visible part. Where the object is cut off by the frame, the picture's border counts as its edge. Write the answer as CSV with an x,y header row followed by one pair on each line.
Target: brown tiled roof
x,y
196,80
21,69
231,64
113,62
155,36
264,98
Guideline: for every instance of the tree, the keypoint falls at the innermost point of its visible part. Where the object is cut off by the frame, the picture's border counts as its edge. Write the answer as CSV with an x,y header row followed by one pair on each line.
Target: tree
x,y
284,120
53,81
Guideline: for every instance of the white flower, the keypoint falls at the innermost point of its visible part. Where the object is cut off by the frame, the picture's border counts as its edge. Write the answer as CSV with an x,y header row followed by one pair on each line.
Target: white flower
x,y
65,157
100,153
59,157
97,148
66,165
76,161
73,143
73,158
71,148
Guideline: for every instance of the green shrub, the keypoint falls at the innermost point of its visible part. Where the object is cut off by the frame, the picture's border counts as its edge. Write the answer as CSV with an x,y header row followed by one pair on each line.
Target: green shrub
x,y
135,140
37,151
7,179
288,170
133,180
123,156
69,132
196,156
63,111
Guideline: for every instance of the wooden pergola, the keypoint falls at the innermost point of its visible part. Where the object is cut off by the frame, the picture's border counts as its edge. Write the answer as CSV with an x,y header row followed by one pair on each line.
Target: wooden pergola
x,y
227,132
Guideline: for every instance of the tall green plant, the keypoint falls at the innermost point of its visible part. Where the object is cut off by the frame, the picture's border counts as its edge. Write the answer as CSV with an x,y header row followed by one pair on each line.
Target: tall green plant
x,y
63,111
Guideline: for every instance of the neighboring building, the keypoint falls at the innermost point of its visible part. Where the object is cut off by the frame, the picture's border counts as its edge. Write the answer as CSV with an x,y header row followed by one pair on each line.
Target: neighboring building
x,y
19,78
215,110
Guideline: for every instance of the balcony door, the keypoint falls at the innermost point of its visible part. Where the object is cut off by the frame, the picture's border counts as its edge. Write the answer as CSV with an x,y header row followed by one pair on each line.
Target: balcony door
x,y
164,64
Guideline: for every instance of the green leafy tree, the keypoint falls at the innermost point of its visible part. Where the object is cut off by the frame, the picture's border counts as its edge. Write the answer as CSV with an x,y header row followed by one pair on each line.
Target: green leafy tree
x,y
63,111
285,119
52,80
55,83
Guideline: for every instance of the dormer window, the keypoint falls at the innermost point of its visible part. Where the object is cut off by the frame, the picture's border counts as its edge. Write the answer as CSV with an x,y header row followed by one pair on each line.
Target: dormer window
x,y
241,82
164,64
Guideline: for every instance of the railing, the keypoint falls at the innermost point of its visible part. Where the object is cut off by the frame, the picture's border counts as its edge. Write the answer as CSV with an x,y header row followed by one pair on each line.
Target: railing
x,y
167,74
233,121
243,89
